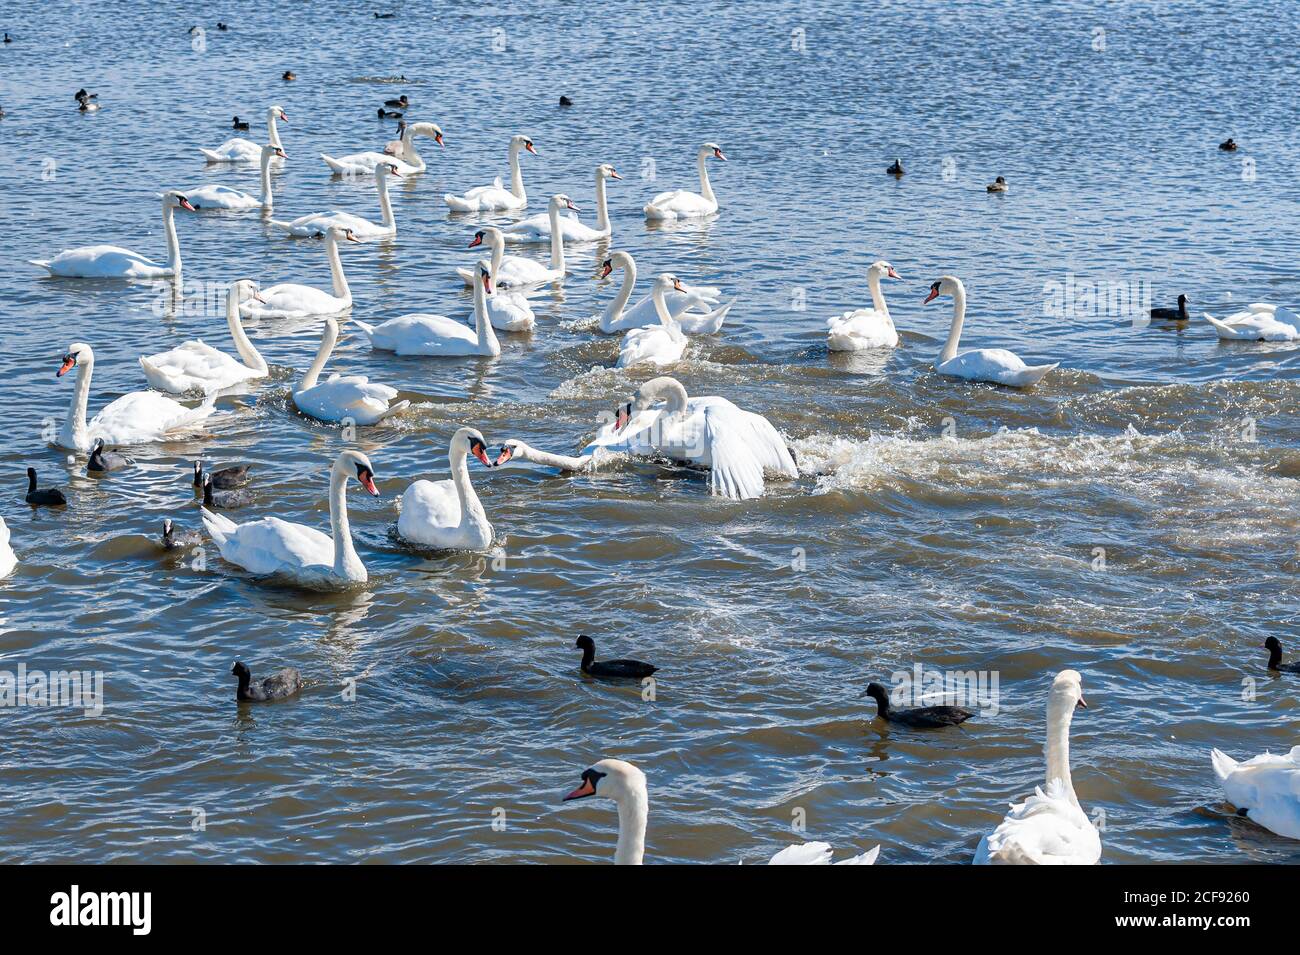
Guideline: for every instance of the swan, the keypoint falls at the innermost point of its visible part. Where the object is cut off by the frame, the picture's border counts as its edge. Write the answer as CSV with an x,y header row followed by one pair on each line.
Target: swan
x,y
295,552
240,149
195,366
690,308
437,335
660,344
538,228
135,418
995,365
351,399
865,327
1265,789
114,262
738,447
625,784
682,204
510,311
516,450
496,198
290,300
402,154
516,271
8,560
448,514
315,224
1050,827
213,196
1259,321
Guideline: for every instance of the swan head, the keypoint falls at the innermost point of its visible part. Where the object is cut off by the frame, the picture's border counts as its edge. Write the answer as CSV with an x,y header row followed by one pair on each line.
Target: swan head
x,y
385,169
355,464
271,150
340,233
1067,691
616,260
487,233
882,270
176,200
561,201
522,142
245,289
469,441
668,282
428,129
484,271
714,150
947,285
277,112
510,449
610,779
606,171
77,353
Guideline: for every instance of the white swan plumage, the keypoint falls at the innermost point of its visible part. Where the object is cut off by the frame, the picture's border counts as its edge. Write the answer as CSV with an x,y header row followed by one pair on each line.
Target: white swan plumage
x,y
352,398
1050,827
496,198
138,417
215,196
115,262
865,327
291,300
538,228
517,271
660,344
8,560
437,335
1266,788
697,309
318,223
240,149
515,450
819,853
508,307
738,447
994,365
684,204
402,154
196,366
448,515
295,552
1258,322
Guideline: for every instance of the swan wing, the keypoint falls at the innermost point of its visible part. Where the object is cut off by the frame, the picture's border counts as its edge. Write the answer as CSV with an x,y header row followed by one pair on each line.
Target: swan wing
x,y
809,853
102,261
143,416
291,300
656,345
1266,786
220,197
1048,828
510,312
679,203
272,546
423,334
859,329
193,366
430,513
996,365
235,150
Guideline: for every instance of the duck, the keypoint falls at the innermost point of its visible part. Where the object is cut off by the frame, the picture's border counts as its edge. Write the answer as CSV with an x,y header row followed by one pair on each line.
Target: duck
x,y
46,497
1050,827
1258,322
224,500
993,365
8,38
516,450
289,76
8,559
698,310
172,539
226,478
1265,789
896,169
657,345
385,16
1274,649
88,106
400,103
865,328
682,203
1229,145
222,26
565,101
921,717
350,399
997,185
448,515
496,198
421,333
237,123
198,367
292,300
1178,314
82,95
101,460
280,685
610,669
389,114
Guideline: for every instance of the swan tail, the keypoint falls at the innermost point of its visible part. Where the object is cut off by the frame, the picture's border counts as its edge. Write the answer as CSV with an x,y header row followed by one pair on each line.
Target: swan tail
x,y
41,264
219,526
284,226
195,415
711,323
1033,374
458,204
367,330
334,163
212,156
1222,329
1224,765
392,410
809,853
867,858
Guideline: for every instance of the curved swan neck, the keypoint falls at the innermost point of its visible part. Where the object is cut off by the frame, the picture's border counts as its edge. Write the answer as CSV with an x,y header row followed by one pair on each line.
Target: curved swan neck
x,y
562,462
409,154
958,317
74,425
1060,711
471,508
322,356
247,353
702,163
517,174
340,281
670,390
602,211
346,562
267,200
633,810
487,336
661,305
557,240
173,243
385,204
624,292
272,130
498,253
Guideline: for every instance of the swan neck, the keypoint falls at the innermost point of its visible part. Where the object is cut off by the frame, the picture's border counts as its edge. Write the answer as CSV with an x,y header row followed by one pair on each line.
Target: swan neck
x,y
409,154
498,253
602,211
173,243
346,562
557,240
340,281
267,201
1059,714
74,426
516,175
561,462
877,296
954,333
273,131
487,336
471,508
661,305
702,163
633,810
247,353
385,204
322,356
624,292
671,391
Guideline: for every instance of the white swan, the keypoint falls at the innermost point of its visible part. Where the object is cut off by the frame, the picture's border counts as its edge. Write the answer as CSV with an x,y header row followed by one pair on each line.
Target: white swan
x,y
660,344
738,447
516,272
402,154
865,327
245,150
508,310
625,785
436,335
351,398
496,198
690,308
516,450
1258,322
213,196
995,365
448,514
538,228
683,204
135,418
114,262
1050,827
1266,789
291,300
296,552
316,224
8,560
195,366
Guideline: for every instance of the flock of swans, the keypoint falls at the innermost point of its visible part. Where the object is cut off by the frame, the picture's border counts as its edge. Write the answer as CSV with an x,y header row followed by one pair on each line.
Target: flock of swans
x,y
740,450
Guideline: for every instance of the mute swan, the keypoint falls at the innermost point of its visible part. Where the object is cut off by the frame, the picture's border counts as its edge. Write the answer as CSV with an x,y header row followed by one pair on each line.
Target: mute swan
x,y
495,198
1274,648
995,365
1265,789
195,366
245,150
509,311
280,685
135,418
625,785
683,204
114,262
213,196
1178,314
295,552
921,717
437,335
290,300
44,497
538,228
689,308
610,669
1258,322
8,560
1050,827
352,398
865,327
660,344
515,450
310,226
448,514
408,161
737,446
516,271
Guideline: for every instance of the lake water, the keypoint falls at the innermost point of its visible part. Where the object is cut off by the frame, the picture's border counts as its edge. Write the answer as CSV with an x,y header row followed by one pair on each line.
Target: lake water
x,y
1133,517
